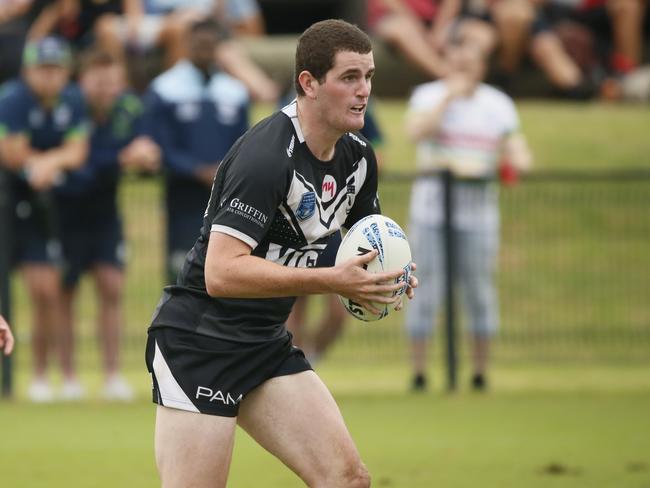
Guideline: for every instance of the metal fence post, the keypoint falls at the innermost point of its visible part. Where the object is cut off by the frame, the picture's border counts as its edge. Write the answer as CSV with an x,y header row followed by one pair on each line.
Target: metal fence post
x,y
6,239
450,324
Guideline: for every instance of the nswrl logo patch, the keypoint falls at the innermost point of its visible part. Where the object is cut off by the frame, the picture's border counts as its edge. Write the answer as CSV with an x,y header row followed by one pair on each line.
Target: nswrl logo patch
x,y
307,205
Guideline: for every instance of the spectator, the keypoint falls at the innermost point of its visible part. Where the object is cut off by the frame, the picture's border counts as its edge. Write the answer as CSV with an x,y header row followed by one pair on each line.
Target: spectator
x,y
197,112
43,134
13,27
467,127
522,29
90,223
6,337
331,323
419,29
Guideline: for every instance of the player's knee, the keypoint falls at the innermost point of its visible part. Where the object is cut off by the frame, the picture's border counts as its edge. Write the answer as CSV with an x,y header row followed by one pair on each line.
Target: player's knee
x,y
354,475
359,477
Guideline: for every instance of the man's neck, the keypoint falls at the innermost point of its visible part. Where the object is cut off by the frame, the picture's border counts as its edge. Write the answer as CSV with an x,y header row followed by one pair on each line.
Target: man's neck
x,y
320,139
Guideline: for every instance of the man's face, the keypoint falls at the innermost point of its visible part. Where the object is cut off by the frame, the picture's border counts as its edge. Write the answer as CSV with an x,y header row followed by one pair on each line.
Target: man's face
x,y
343,95
103,84
201,46
47,80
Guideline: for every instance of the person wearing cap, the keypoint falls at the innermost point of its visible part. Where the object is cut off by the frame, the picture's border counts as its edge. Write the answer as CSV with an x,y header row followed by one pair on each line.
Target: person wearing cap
x,y
43,135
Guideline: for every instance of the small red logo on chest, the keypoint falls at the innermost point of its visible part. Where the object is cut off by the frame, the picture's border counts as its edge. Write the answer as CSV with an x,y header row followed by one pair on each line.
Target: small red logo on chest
x,y
329,188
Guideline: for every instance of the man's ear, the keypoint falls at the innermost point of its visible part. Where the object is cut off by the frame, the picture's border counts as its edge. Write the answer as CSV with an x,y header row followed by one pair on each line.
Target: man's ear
x,y
309,84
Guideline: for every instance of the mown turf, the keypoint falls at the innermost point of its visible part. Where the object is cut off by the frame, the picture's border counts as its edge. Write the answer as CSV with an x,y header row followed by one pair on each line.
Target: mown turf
x,y
536,428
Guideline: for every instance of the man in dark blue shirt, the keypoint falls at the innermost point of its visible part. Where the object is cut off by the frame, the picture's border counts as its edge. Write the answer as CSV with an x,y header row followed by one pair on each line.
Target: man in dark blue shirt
x,y
196,113
43,135
90,222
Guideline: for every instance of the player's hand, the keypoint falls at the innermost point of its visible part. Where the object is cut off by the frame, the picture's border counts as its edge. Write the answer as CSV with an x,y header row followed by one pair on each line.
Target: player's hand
x,y
6,337
410,292
354,282
41,173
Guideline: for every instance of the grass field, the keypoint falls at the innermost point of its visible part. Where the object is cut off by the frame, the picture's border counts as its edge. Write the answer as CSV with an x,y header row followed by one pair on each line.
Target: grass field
x,y
570,390
567,426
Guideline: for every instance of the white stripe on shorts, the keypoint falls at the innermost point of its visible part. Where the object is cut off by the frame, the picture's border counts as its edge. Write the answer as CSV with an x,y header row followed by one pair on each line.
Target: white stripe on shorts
x,y
171,394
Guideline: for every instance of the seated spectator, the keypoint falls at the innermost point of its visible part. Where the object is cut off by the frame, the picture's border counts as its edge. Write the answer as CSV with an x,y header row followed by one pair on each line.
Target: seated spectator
x,y
195,113
419,29
43,135
522,29
604,37
90,221
13,28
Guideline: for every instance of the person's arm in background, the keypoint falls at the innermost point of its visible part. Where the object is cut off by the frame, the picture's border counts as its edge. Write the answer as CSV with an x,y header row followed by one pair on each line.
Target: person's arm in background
x,y
13,10
234,60
45,168
45,21
6,337
424,124
439,31
133,14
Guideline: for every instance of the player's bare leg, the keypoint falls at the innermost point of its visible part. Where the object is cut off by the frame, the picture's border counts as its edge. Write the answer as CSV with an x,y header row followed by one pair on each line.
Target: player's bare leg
x,y
296,419
193,450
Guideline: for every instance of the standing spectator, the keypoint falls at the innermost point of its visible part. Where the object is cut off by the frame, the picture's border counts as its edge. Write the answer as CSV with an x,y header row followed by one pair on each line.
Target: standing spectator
x,y
6,337
196,114
90,221
43,134
467,127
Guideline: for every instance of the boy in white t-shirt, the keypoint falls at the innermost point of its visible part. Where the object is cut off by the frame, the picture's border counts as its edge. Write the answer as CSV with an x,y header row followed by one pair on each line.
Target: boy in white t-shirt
x,y
469,128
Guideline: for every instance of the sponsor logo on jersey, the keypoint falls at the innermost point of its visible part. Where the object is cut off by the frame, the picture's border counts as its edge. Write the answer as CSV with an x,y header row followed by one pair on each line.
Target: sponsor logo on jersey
x,y
356,138
217,396
62,116
290,146
329,188
237,207
307,206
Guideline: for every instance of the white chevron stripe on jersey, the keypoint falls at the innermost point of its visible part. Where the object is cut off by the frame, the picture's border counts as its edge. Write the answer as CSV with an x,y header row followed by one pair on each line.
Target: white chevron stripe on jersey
x,y
331,216
171,394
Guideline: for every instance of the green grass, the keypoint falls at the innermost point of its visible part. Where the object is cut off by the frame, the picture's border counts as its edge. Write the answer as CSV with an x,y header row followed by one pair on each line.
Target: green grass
x,y
570,379
567,426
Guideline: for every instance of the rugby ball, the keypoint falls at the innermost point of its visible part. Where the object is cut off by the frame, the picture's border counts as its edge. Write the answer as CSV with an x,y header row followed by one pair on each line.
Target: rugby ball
x,y
388,238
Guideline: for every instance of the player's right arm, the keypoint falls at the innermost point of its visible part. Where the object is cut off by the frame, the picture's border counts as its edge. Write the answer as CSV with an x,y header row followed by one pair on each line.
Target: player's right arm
x,y
232,272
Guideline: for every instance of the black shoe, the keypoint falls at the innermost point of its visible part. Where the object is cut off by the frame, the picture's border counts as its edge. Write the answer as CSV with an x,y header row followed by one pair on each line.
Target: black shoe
x,y
419,382
479,383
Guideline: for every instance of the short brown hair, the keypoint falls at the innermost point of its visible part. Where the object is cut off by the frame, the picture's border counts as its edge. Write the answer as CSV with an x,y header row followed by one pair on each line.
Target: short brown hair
x,y
97,58
318,45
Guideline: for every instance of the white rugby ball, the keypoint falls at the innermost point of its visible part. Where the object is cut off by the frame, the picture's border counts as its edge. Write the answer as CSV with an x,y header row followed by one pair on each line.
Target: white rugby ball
x,y
383,234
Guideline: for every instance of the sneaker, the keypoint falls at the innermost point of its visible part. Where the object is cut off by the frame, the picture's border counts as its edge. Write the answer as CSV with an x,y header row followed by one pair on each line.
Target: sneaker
x,y
419,382
479,383
40,391
72,391
118,390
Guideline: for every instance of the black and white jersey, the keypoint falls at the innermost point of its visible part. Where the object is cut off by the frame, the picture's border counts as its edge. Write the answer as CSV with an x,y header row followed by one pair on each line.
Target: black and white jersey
x,y
273,194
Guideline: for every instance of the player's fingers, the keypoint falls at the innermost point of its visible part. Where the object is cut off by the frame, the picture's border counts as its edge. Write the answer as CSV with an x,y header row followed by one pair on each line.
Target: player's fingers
x,y
368,305
413,281
365,258
8,345
380,298
388,276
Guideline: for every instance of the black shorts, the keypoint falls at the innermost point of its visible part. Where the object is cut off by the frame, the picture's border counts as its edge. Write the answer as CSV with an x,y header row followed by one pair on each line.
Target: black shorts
x,y
85,247
203,374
